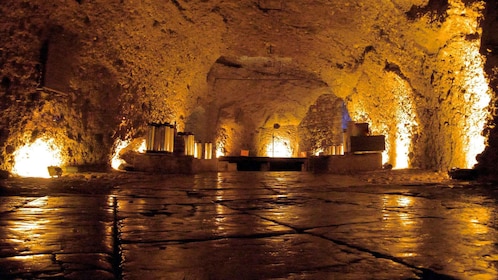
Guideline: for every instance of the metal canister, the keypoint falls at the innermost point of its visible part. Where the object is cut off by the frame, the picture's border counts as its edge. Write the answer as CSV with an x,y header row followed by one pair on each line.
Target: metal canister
x,y
150,137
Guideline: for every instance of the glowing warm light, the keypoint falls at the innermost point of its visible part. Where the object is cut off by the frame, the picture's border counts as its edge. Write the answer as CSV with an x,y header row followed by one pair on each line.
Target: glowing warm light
x,y
143,147
476,218
477,96
220,150
404,201
394,216
278,148
32,160
35,206
406,124
116,161
403,116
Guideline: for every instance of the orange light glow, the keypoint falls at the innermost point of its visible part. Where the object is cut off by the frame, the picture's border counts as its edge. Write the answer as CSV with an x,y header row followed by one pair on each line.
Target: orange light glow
x,y
143,147
116,160
32,160
404,201
397,121
401,216
477,96
130,144
220,150
318,151
406,124
278,147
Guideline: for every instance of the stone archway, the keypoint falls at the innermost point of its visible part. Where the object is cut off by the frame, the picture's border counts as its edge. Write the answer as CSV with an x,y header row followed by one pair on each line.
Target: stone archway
x,y
249,96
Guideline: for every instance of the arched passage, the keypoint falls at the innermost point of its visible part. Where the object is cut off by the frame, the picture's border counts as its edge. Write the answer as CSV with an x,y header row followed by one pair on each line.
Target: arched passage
x,y
256,101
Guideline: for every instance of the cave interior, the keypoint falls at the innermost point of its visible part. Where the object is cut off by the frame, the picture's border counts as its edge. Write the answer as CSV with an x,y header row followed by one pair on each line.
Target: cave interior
x,y
81,80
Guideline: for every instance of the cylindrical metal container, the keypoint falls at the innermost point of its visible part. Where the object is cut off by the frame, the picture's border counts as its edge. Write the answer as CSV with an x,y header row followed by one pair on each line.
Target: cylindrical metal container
x,y
340,149
190,144
208,150
167,132
188,139
161,131
198,150
171,138
149,143
157,137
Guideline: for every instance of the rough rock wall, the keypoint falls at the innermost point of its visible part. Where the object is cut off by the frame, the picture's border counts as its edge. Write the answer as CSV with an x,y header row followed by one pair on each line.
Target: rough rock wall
x,y
125,63
429,55
489,47
322,127
409,67
249,96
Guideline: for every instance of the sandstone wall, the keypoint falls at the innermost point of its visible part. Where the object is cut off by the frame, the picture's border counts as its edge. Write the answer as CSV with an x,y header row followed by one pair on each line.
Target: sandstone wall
x,y
489,158
89,72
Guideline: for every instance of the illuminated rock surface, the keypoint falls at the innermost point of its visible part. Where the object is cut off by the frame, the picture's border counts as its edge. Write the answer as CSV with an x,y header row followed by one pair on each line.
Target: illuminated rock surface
x,y
248,225
77,76
229,70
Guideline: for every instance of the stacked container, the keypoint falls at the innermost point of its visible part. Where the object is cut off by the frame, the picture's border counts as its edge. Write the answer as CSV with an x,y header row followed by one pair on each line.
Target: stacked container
x,y
208,150
189,144
160,137
198,150
163,138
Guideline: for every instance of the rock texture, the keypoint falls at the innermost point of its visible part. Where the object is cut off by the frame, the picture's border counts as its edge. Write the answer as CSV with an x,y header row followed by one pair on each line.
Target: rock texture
x,y
487,160
89,72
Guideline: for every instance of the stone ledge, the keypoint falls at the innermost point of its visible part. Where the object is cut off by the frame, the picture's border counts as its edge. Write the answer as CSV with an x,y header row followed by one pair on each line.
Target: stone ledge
x,y
343,164
169,163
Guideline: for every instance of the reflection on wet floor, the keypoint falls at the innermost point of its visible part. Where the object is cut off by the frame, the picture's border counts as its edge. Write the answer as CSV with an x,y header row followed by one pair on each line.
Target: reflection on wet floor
x,y
430,235
245,225
54,237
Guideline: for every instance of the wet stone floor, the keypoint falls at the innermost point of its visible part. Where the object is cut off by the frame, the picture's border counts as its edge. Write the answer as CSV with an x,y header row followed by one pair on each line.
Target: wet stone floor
x,y
246,225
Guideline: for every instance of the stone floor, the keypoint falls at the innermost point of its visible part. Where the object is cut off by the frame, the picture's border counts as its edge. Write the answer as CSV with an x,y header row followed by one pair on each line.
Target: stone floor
x,y
248,225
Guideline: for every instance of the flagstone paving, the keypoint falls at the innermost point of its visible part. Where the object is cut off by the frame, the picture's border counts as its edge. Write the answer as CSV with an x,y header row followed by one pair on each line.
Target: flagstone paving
x,y
247,225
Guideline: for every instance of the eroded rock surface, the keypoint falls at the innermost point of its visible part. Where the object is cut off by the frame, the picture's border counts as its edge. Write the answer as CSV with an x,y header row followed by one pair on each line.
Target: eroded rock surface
x,y
88,72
